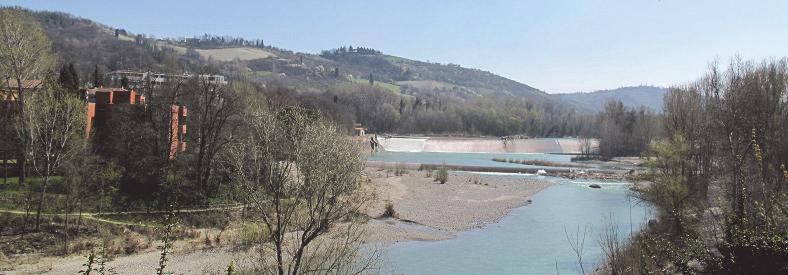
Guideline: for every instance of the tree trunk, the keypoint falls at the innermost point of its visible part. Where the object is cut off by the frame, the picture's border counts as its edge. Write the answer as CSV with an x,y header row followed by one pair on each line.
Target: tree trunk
x,y
65,229
27,206
5,169
79,218
21,165
41,202
279,263
298,256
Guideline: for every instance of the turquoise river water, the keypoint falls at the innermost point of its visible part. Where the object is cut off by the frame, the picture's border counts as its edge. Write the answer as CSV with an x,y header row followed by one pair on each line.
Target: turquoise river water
x,y
529,240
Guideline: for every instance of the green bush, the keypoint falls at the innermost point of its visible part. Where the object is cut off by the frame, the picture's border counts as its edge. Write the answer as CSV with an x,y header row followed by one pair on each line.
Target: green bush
x,y
389,212
442,175
252,233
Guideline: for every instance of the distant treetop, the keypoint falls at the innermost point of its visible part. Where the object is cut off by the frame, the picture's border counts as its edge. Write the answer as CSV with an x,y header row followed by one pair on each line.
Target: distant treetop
x,y
349,50
216,41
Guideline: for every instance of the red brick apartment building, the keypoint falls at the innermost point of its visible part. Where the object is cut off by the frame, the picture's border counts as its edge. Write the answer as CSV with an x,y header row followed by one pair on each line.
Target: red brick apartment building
x,y
103,102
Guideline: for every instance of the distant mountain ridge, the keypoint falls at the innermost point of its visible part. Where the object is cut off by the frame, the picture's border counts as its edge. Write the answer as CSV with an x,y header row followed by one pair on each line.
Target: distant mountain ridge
x,y
647,96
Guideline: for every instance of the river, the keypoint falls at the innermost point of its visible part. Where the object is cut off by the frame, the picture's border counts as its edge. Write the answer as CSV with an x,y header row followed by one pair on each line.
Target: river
x,y
531,239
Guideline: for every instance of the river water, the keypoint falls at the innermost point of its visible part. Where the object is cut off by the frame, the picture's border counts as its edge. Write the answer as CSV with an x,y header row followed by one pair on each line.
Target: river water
x,y
531,239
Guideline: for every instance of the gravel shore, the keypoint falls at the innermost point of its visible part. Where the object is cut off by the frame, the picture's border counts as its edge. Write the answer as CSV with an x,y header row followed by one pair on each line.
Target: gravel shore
x,y
466,201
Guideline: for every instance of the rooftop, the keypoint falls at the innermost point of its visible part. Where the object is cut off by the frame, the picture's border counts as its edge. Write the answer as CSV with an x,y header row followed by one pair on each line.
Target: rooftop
x,y
26,84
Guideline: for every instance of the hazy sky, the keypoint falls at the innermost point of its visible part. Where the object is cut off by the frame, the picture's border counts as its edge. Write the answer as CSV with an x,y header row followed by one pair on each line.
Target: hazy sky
x,y
556,46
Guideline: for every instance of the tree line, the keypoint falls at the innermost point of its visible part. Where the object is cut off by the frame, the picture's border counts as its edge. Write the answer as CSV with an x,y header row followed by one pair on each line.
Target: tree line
x,y
217,41
625,131
717,178
343,50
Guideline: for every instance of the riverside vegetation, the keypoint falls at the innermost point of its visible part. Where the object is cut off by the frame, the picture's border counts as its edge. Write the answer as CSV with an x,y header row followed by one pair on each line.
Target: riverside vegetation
x,y
717,179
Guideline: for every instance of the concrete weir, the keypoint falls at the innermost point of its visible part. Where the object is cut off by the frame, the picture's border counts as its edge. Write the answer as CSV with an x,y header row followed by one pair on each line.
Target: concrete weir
x,y
480,145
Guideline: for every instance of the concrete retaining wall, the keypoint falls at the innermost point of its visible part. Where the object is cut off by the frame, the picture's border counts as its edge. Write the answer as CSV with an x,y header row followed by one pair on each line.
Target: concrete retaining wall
x,y
480,145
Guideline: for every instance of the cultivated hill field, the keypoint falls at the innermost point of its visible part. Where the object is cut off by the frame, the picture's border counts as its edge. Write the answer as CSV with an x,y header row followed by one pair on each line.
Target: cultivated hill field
x,y
229,54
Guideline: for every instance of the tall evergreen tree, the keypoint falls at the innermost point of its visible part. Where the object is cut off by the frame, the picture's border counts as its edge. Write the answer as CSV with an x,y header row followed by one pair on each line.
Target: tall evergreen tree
x,y
69,78
74,76
65,77
98,78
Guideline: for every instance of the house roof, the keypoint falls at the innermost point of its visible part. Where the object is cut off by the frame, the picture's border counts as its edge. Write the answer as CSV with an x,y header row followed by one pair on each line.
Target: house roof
x,y
26,84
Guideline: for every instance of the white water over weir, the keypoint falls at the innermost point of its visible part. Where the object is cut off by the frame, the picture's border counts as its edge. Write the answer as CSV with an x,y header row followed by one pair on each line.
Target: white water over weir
x,y
480,145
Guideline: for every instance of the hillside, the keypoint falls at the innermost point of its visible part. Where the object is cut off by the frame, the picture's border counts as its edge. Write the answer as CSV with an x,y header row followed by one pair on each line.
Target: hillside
x,y
87,43
647,96
385,93
116,48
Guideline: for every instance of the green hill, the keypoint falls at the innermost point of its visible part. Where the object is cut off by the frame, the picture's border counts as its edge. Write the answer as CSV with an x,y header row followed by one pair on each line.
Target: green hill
x,y
406,96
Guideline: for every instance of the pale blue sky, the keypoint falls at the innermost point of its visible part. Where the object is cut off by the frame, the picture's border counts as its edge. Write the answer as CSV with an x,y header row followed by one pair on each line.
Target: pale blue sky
x,y
556,46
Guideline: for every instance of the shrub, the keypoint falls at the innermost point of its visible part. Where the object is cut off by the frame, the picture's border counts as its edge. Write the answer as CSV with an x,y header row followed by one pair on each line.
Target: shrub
x,y
389,212
231,268
400,169
218,238
207,241
442,175
252,233
133,243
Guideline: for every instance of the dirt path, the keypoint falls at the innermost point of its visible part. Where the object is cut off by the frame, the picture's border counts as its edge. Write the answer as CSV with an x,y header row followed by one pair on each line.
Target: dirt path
x,y
183,261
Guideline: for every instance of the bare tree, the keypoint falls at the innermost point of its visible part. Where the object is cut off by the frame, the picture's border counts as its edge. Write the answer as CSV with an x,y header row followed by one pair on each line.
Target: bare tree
x,y
215,109
586,146
24,55
612,248
54,121
302,176
577,243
